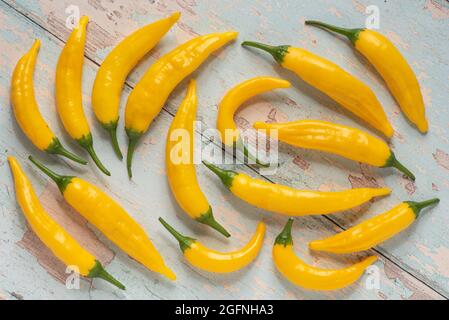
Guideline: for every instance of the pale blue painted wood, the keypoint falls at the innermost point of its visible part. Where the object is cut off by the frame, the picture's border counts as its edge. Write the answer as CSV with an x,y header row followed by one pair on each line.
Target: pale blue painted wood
x,y
421,251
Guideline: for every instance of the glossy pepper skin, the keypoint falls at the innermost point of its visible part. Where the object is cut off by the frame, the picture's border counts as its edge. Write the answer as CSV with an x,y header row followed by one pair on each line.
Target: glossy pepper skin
x,y
181,172
69,102
371,232
110,218
214,261
114,70
309,277
345,141
391,65
60,243
233,99
151,92
289,201
332,80
26,110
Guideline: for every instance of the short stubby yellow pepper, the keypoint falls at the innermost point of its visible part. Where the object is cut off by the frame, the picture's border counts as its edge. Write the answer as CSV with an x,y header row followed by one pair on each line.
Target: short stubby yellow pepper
x,y
233,99
214,261
289,201
110,218
114,70
60,243
332,80
309,277
345,141
151,92
181,172
392,66
69,100
26,110
371,232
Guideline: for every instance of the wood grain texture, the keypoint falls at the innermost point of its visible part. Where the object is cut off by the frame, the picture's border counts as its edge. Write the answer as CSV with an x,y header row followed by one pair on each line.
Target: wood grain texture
x,y
413,265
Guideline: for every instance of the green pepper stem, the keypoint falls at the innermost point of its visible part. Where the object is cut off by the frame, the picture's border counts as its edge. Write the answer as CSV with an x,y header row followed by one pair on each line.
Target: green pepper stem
x,y
56,147
278,52
248,155
393,162
418,206
133,137
87,143
60,180
226,176
351,34
184,242
113,134
98,271
209,219
285,237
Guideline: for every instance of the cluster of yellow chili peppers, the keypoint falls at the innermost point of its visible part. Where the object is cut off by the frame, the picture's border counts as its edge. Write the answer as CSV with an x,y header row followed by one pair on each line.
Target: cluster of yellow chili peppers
x,y
146,101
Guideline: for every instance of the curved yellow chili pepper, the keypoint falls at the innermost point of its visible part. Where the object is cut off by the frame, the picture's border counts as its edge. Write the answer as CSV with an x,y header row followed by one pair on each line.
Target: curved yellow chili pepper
x,y
309,277
69,100
26,110
347,142
181,172
393,68
115,68
61,243
233,99
213,261
289,201
332,80
150,93
110,218
371,232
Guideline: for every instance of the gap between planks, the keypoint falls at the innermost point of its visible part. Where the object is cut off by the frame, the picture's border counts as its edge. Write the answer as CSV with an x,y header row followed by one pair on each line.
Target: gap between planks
x,y
388,257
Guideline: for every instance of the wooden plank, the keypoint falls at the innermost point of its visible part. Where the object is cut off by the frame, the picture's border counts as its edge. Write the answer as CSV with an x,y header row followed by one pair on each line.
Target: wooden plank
x,y
395,283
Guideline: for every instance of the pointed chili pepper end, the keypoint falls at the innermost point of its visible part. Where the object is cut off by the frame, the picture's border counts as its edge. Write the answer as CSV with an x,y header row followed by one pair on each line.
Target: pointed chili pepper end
x,y
98,271
418,206
285,237
209,219
184,242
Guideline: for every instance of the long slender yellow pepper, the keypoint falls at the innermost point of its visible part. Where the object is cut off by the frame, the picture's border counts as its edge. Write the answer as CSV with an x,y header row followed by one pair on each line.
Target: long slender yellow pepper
x,y
347,142
60,243
69,98
392,66
181,172
110,218
332,80
289,201
26,110
371,232
115,68
233,99
309,277
151,92
214,261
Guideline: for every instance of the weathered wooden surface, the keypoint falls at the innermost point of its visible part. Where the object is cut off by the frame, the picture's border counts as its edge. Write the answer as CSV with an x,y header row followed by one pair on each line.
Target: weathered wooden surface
x,y
413,265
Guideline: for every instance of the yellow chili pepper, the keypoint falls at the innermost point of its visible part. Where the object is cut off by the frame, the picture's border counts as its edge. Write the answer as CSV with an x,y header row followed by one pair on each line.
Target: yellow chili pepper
x,y
371,232
150,93
61,243
26,110
289,201
332,80
69,100
347,142
309,277
115,68
181,172
214,261
110,218
231,102
391,65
